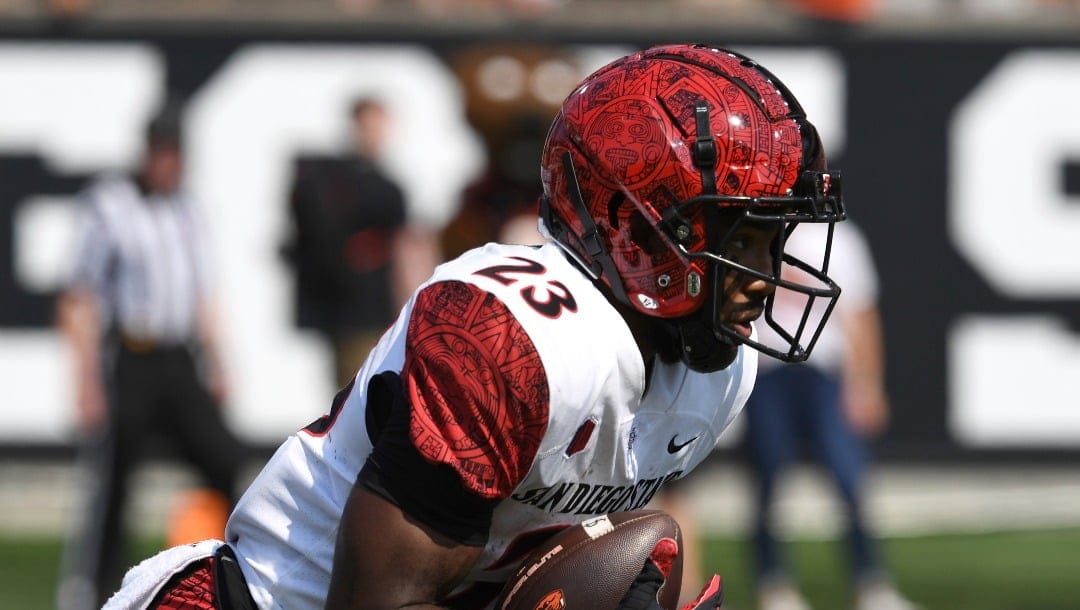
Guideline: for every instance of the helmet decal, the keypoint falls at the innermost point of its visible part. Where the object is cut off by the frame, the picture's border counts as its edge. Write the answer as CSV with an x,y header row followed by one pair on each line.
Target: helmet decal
x,y
629,144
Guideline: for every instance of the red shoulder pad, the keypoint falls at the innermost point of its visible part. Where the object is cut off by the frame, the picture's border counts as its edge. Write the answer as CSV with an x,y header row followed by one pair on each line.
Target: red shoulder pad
x,y
476,385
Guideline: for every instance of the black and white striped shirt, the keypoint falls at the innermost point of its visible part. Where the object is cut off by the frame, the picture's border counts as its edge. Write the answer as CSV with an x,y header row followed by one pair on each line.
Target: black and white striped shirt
x,y
141,254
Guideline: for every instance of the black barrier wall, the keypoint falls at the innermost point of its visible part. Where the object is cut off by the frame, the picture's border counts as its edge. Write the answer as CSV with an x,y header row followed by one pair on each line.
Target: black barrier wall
x,y
961,160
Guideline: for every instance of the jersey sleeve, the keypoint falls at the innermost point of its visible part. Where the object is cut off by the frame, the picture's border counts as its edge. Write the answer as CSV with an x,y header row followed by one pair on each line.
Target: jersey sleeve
x,y
477,388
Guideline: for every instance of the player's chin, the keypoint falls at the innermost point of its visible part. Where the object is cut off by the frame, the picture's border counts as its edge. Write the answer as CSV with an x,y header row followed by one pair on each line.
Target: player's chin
x,y
742,329
739,319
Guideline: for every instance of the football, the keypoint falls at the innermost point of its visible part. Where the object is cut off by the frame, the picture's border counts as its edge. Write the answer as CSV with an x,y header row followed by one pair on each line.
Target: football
x,y
592,565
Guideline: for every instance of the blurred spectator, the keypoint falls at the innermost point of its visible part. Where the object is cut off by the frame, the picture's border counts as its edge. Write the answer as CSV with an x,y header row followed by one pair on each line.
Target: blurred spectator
x,y
832,403
511,91
138,318
347,218
495,207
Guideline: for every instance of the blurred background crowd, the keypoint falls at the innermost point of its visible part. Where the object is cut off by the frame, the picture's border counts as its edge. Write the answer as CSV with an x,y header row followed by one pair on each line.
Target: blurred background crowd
x,y
335,151
780,12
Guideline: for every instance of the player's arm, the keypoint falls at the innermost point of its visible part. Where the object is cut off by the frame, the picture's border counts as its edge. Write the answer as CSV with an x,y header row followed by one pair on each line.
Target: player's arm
x,y
79,315
387,559
410,530
453,436
865,402
79,319
209,333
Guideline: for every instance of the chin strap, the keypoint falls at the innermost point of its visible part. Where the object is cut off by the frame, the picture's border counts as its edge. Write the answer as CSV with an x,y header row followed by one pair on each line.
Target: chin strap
x,y
701,349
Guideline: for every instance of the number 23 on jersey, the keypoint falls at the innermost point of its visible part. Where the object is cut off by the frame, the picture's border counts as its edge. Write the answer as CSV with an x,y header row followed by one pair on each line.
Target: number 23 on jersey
x,y
558,295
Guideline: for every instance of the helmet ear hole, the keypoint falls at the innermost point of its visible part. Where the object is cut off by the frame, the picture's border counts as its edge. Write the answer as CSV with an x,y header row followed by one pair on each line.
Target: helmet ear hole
x,y
645,235
617,199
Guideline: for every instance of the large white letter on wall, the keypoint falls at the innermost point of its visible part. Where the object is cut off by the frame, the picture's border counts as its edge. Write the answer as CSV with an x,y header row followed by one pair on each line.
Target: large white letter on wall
x,y
81,108
1013,378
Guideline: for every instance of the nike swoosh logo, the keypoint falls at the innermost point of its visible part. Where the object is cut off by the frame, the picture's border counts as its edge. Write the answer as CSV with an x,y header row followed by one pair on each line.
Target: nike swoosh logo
x,y
675,448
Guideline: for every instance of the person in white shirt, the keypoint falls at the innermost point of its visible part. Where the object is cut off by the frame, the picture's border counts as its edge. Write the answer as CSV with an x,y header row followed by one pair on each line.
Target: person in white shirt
x,y
831,403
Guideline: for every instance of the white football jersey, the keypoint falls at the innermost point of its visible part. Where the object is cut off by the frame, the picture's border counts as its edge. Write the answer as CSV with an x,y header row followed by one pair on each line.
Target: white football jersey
x,y
523,342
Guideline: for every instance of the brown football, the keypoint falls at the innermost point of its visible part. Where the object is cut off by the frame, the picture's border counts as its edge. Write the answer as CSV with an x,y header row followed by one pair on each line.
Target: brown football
x,y
591,566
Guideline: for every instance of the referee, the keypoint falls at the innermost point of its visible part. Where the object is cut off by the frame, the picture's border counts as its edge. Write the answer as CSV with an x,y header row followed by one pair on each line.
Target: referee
x,y
146,365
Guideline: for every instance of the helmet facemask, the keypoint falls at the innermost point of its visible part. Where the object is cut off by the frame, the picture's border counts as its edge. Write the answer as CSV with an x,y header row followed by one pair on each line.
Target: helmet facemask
x,y
704,341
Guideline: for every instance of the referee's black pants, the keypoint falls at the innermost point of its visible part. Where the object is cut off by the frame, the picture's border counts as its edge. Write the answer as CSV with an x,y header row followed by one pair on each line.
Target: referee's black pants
x,y
156,396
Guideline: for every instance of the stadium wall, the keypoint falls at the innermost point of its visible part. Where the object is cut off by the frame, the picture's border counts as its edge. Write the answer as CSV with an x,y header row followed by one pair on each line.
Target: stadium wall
x,y
961,157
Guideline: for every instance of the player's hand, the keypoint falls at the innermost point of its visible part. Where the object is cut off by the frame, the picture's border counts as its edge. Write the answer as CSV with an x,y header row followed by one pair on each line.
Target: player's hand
x,y
643,594
217,383
866,406
711,596
91,403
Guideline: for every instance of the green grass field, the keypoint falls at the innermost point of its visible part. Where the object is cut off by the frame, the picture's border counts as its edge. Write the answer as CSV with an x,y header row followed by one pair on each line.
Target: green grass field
x,y
999,571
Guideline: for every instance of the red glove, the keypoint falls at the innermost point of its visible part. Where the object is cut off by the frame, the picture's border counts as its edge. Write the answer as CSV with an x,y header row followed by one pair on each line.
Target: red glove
x,y
646,588
710,597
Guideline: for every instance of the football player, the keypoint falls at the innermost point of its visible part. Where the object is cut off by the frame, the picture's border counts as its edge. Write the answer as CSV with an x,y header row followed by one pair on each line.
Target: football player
x,y
526,388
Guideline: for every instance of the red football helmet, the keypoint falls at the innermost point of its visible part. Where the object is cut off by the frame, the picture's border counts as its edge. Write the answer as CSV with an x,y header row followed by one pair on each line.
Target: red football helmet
x,y
654,161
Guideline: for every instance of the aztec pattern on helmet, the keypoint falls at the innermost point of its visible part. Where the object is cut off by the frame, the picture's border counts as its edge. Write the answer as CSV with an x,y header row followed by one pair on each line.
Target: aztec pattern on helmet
x,y
630,128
